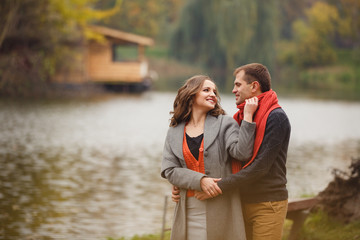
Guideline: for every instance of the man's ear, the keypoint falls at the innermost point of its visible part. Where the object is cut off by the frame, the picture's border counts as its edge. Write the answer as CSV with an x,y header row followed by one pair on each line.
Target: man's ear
x,y
255,86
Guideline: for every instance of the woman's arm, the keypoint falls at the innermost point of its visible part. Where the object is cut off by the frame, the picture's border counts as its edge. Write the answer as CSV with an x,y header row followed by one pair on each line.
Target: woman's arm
x,y
240,142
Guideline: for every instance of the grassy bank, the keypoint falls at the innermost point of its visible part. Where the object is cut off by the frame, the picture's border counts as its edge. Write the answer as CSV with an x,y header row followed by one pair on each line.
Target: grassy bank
x,y
144,237
318,226
170,73
340,80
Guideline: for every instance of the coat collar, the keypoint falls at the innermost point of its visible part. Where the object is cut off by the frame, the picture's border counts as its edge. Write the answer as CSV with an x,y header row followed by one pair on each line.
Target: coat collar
x,y
176,140
211,130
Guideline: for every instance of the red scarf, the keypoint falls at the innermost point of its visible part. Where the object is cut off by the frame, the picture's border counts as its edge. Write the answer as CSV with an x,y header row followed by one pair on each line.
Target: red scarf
x,y
268,101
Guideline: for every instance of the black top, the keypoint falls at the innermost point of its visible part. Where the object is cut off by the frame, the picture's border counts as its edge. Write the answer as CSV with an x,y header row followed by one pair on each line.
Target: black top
x,y
265,178
194,144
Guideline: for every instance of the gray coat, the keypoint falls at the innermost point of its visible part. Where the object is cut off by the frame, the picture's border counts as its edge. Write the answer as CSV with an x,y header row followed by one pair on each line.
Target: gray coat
x,y
223,139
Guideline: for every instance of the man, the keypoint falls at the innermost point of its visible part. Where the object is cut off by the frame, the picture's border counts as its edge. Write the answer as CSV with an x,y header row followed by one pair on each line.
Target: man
x,y
262,181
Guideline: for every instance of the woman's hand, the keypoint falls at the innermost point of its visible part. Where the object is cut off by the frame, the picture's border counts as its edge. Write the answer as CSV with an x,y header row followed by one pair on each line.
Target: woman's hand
x,y
201,196
251,104
210,187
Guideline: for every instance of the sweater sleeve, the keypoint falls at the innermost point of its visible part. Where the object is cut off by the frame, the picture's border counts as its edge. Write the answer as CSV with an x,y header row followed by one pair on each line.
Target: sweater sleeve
x,y
277,129
175,173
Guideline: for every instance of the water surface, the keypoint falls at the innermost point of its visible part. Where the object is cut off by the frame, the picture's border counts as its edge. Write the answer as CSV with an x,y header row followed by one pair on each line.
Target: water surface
x,y
88,169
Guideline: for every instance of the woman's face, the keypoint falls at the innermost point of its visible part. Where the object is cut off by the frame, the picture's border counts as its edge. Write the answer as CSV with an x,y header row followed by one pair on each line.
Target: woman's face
x,y
206,98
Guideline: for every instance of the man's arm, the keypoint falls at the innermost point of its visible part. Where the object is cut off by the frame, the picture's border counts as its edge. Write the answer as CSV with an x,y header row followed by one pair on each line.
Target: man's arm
x,y
182,177
277,129
209,189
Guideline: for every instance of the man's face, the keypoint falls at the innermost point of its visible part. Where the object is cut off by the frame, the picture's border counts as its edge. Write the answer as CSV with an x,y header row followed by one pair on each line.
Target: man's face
x,y
242,89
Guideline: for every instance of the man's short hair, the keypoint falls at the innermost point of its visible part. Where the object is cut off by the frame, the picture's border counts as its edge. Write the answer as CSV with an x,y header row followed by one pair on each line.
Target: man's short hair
x,y
256,72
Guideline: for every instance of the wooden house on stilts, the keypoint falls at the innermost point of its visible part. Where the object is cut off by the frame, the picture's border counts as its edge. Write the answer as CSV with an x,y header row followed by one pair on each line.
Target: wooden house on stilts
x,y
117,62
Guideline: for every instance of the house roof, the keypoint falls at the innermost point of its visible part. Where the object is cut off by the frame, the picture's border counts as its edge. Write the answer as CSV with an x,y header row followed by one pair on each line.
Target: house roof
x,y
123,36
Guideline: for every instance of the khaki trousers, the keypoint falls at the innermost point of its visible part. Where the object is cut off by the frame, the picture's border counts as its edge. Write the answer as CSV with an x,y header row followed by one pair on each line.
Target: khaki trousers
x,y
264,220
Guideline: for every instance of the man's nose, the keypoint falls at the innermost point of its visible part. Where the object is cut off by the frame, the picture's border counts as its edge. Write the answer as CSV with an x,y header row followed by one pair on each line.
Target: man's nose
x,y
234,90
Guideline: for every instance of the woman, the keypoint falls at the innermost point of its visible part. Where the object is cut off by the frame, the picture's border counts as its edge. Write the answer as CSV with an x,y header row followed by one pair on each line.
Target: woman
x,y
198,147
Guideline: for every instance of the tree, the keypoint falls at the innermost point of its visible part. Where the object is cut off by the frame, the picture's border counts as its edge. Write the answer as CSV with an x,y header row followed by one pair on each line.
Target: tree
x,y
145,17
266,33
9,10
225,34
234,39
44,37
313,36
290,11
349,26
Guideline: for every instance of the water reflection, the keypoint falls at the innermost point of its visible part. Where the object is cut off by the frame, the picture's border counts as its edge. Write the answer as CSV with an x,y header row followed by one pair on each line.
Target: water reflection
x,y
310,165
90,169
87,194
24,192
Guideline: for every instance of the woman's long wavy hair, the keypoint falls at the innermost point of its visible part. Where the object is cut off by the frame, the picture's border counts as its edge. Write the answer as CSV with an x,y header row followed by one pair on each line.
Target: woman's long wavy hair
x,y
185,98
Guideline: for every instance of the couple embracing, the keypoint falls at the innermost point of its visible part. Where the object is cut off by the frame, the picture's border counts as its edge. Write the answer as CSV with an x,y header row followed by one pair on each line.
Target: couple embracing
x,y
228,173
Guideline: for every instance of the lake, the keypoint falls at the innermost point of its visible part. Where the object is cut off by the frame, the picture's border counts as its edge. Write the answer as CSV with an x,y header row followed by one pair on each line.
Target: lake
x,y
89,169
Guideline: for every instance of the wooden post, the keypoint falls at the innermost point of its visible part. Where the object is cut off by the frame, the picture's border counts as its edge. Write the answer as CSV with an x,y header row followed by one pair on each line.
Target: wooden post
x,y
141,52
164,218
298,219
298,210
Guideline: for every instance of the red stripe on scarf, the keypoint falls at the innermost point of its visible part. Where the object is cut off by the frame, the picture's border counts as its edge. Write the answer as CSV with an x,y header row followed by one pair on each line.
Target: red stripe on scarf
x,y
268,101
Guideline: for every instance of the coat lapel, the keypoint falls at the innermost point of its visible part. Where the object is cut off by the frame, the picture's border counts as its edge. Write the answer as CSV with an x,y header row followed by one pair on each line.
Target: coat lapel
x,y
211,130
212,127
177,140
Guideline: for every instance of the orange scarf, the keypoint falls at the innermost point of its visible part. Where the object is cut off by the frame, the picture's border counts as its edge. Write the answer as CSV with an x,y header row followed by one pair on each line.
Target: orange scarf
x,y
268,101
191,162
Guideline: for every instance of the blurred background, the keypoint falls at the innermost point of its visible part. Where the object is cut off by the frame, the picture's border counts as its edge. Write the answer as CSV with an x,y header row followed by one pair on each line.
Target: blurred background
x,y
86,87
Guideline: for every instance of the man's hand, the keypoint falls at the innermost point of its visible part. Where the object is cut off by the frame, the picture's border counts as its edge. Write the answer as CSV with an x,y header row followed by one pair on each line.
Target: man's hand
x,y
175,193
210,187
201,195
